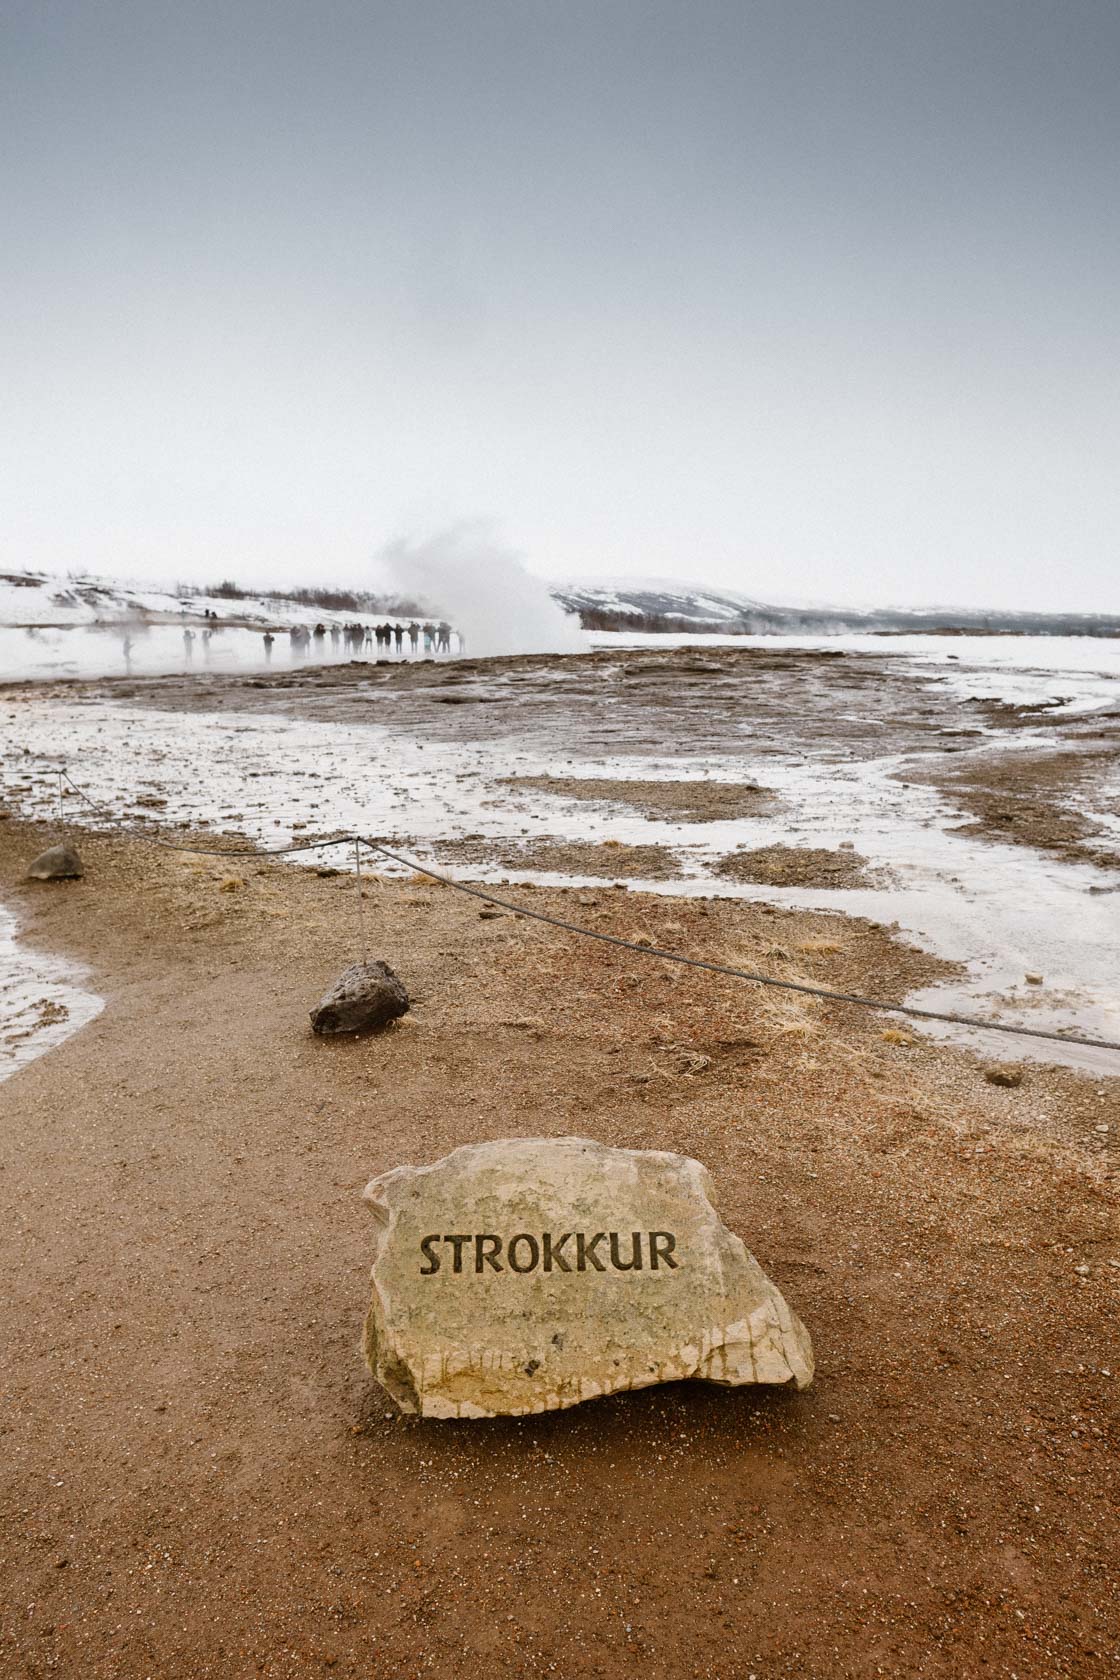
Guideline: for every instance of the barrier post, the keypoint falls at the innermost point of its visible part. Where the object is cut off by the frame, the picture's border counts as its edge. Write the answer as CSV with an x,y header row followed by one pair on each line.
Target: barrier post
x,y
363,950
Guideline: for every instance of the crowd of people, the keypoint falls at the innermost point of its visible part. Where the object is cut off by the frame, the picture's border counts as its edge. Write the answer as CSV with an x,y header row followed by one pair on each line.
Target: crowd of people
x,y
386,639
415,640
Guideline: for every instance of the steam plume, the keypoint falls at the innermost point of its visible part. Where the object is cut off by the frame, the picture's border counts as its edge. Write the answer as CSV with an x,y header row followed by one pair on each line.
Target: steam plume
x,y
484,590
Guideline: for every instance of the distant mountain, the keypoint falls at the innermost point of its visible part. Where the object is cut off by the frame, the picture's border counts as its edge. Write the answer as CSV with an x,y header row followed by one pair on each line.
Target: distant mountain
x,y
39,599
657,598
657,604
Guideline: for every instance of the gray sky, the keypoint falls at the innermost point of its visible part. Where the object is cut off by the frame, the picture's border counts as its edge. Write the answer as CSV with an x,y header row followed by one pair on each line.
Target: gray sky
x,y
815,301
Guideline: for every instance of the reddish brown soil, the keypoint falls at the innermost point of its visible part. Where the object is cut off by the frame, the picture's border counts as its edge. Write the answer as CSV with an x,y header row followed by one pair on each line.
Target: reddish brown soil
x,y
199,1477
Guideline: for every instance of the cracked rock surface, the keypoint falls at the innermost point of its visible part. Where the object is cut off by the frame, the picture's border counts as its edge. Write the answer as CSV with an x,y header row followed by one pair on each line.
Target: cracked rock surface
x,y
528,1274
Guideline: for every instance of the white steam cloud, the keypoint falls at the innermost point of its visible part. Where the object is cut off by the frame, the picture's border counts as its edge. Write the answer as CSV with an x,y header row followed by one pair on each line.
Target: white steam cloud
x,y
484,590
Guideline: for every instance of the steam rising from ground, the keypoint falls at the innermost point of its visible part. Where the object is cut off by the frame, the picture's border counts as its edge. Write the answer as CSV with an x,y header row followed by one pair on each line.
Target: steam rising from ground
x,y
485,591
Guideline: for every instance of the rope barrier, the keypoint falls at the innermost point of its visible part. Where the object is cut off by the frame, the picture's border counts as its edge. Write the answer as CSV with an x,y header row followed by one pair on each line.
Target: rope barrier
x,y
912,1011
744,973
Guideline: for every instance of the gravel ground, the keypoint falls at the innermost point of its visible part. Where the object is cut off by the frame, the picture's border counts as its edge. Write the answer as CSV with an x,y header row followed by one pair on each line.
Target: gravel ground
x,y
685,801
1037,799
549,854
798,866
199,1478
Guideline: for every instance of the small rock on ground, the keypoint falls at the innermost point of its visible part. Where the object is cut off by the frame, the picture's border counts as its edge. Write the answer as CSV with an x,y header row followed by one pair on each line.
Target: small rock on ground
x,y
57,863
367,995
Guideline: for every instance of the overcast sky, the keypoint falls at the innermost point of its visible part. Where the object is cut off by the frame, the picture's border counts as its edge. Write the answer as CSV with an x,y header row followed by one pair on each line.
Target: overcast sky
x,y
816,301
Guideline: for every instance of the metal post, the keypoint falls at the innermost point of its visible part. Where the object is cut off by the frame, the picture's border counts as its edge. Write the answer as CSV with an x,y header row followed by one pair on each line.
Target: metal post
x,y
363,949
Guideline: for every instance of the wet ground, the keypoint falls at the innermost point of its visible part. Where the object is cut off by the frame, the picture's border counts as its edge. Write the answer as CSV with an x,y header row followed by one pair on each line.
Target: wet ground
x,y
187,1419
974,805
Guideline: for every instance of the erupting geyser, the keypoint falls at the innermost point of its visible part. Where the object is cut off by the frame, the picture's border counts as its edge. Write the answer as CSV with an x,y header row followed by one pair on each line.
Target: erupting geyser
x,y
485,591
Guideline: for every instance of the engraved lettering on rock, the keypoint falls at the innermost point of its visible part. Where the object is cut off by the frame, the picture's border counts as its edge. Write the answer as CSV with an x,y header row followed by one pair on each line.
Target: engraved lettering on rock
x,y
525,1252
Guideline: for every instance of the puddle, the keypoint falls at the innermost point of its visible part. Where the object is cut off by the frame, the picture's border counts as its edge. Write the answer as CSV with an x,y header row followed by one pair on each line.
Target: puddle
x,y
42,1000
44,653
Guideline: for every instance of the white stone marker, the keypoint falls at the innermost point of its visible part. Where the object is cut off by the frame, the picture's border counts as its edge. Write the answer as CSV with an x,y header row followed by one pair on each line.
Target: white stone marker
x,y
532,1273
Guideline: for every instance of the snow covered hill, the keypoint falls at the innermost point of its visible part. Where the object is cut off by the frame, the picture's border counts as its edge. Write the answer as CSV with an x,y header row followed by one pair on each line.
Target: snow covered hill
x,y
658,604
658,598
43,600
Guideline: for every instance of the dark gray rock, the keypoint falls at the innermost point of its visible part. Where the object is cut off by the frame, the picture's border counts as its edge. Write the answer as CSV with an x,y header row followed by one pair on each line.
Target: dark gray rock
x,y
57,863
367,995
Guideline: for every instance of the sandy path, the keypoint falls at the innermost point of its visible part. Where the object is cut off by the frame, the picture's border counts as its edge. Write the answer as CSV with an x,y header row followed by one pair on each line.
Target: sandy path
x,y
200,1479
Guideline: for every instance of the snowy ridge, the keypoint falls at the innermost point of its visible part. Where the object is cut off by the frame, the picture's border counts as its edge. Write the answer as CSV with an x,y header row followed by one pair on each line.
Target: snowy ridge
x,y
660,604
42,600
657,597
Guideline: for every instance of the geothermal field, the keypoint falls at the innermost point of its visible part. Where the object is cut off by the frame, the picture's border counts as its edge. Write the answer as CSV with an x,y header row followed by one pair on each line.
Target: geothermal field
x,y
924,821
559,841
